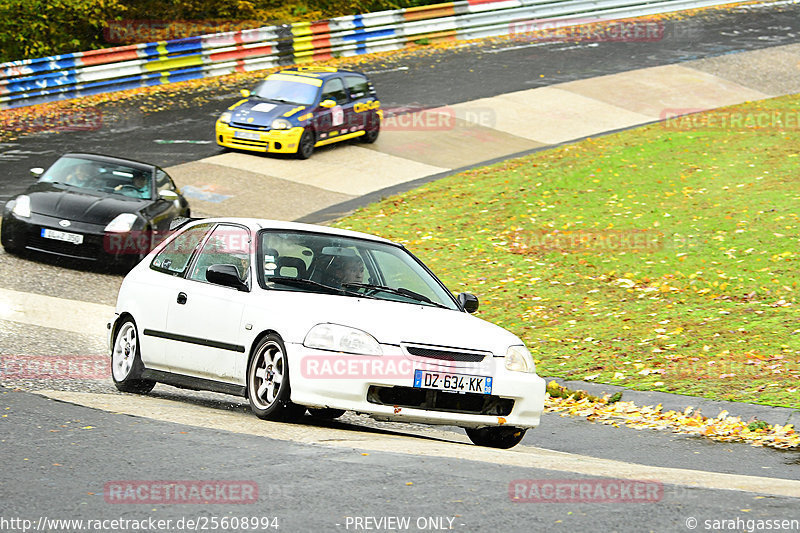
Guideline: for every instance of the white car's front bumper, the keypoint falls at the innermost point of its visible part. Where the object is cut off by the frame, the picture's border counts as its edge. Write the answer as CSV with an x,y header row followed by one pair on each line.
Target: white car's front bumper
x,y
382,387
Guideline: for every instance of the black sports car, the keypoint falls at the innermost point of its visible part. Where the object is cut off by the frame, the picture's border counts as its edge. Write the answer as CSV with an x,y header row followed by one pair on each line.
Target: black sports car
x,y
89,206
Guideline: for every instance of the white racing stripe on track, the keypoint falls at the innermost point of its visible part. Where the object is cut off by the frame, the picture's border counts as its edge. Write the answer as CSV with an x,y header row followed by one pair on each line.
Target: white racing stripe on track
x,y
434,443
59,313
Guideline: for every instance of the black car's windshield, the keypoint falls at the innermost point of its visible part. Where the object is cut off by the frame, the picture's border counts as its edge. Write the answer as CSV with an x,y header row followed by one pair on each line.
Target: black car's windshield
x,y
333,264
100,176
287,92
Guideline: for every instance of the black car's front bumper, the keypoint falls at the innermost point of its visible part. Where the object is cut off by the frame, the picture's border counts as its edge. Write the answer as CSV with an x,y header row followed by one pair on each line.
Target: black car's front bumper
x,y
20,233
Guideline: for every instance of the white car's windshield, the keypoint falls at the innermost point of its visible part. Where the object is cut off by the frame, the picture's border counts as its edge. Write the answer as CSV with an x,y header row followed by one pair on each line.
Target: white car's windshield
x,y
333,264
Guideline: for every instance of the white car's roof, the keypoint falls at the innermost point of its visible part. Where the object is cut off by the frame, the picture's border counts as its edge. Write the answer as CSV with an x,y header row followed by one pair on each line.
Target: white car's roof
x,y
261,223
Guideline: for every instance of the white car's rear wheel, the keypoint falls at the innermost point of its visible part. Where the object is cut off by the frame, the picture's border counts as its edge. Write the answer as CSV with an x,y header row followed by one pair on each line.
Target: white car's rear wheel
x,y
126,362
268,390
496,437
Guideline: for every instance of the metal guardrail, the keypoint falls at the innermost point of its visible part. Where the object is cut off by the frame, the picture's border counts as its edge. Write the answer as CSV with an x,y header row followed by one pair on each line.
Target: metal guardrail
x,y
35,81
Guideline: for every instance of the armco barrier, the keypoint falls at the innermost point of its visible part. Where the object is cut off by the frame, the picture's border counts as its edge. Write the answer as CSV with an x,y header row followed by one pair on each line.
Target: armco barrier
x,y
34,81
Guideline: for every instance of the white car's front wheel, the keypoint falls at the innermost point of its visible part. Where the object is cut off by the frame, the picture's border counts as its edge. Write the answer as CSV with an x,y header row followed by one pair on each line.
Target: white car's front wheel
x,y
268,389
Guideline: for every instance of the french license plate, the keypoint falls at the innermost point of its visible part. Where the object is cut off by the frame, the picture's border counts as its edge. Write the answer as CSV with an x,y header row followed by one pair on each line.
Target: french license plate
x,y
425,379
74,238
249,135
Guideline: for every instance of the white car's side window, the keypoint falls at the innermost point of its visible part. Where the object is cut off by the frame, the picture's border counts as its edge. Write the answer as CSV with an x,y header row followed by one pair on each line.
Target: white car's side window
x,y
227,245
176,254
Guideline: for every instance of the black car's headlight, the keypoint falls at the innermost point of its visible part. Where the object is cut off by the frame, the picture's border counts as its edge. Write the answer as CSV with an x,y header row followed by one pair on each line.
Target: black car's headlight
x,y
281,124
22,206
225,118
122,223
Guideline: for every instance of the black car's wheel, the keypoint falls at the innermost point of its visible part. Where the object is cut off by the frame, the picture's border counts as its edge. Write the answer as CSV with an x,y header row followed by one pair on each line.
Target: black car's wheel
x,y
325,412
268,389
306,146
496,437
9,244
126,361
373,129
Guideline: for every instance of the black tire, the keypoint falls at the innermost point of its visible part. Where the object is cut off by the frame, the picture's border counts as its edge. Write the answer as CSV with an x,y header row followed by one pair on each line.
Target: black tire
x,y
126,360
373,129
496,437
268,388
306,145
12,248
9,245
326,413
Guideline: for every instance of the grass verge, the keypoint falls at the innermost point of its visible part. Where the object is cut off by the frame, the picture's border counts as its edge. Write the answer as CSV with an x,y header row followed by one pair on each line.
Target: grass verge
x,y
660,258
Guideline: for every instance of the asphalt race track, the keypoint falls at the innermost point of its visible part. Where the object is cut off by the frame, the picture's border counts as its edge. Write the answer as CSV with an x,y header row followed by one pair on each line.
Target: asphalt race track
x,y
65,446
430,79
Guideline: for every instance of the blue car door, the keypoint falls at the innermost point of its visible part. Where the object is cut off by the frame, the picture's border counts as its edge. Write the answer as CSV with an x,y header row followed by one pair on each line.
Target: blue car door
x,y
333,122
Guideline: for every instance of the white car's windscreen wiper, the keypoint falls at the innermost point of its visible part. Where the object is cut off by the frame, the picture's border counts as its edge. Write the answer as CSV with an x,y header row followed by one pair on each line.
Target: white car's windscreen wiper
x,y
400,291
301,282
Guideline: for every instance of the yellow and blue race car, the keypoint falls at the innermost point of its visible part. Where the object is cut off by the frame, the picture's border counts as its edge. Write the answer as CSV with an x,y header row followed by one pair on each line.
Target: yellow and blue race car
x,y
295,110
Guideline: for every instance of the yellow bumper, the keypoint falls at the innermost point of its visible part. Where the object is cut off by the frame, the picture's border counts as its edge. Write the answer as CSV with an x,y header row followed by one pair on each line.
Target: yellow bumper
x,y
273,141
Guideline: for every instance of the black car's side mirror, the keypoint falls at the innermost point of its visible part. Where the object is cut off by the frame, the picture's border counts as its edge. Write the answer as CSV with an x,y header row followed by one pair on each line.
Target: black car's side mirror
x,y
227,276
468,301
37,172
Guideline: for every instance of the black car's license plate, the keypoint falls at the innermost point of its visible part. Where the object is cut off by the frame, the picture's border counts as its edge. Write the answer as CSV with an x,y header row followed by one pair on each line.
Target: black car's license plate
x,y
425,379
56,235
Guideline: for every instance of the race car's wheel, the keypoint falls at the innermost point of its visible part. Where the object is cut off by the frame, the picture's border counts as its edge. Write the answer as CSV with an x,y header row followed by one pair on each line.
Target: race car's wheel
x,y
126,361
327,413
373,129
268,390
306,146
496,437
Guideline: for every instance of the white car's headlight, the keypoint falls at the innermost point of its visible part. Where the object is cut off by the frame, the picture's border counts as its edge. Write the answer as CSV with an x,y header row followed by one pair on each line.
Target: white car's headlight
x,y
122,223
519,359
342,339
225,118
281,124
22,207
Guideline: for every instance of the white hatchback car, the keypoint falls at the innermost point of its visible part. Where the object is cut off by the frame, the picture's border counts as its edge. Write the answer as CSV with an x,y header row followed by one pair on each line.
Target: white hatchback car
x,y
298,317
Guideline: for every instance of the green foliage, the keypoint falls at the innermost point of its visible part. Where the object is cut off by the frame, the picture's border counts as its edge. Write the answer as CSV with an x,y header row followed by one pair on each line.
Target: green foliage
x,y
708,306
38,28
